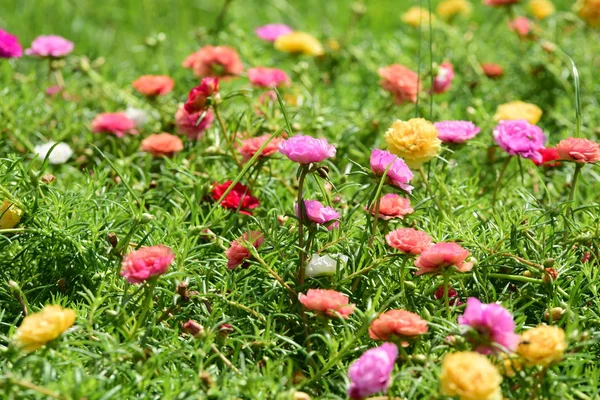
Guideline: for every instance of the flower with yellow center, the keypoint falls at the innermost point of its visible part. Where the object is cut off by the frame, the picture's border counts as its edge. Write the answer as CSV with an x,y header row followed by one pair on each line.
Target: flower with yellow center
x,y
448,9
10,215
44,326
415,140
415,15
542,345
299,42
518,110
541,8
589,11
470,376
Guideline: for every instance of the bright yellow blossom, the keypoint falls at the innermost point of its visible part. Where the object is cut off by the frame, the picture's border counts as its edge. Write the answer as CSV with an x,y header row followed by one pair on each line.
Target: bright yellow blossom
x,y
448,9
10,215
589,11
518,110
470,376
299,42
415,15
44,326
542,345
541,8
415,140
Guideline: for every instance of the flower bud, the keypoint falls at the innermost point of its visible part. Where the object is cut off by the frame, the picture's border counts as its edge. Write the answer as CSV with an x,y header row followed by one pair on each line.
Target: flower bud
x,y
146,218
550,275
556,313
300,396
549,262
193,328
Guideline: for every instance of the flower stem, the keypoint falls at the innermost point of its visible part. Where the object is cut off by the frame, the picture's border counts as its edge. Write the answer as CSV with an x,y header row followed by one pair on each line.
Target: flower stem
x,y
430,190
228,139
145,305
578,167
447,273
497,185
376,205
301,218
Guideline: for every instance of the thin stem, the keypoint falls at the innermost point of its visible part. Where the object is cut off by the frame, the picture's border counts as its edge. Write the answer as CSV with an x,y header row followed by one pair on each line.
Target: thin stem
x,y
275,275
447,273
578,167
497,185
517,278
224,359
228,139
430,190
34,387
145,305
301,219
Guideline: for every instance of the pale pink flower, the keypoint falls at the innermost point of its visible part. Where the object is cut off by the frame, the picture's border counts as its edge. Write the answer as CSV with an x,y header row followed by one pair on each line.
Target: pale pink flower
x,y
214,61
325,301
520,138
145,263
271,32
520,25
443,80
371,373
456,131
579,150
392,206
319,214
9,45
50,46
398,173
116,123
409,240
237,253
191,125
401,82
443,255
306,149
268,77
250,146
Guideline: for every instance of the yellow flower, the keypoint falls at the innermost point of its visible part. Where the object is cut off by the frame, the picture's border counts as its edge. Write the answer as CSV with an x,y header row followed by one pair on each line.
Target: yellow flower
x,y
589,11
470,376
299,42
518,110
509,364
42,327
415,15
10,215
542,345
448,9
415,140
541,8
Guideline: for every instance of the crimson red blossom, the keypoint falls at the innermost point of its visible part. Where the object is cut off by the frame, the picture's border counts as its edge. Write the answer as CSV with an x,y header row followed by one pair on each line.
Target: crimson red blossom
x,y
239,198
198,96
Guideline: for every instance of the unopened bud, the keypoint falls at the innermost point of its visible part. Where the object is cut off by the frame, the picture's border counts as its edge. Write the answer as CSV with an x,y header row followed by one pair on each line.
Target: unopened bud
x,y
300,396
193,328
556,313
206,379
549,262
146,218
13,285
183,291
550,275
527,274
48,178
112,239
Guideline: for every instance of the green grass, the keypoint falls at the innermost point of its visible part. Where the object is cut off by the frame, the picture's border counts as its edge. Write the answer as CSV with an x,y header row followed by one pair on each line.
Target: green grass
x,y
61,255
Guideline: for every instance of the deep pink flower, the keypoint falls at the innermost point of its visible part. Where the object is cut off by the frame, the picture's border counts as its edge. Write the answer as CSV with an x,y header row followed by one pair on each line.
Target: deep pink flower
x,y
116,123
520,138
271,32
398,175
250,146
392,206
520,25
549,157
578,150
499,3
452,295
456,131
306,149
50,46
238,252
329,302
443,80
371,373
187,123
494,325
409,240
319,214
215,61
198,96
142,264
268,77
401,82
9,45
239,197
442,255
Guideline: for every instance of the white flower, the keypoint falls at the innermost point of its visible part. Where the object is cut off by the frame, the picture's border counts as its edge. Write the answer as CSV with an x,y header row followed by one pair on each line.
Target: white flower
x,y
60,154
137,115
324,265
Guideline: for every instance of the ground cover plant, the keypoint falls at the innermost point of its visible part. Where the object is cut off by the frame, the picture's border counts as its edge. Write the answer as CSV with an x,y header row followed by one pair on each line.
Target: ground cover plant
x,y
299,199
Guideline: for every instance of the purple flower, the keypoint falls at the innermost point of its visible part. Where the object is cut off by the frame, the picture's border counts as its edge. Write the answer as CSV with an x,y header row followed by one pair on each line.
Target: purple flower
x,y
306,149
494,325
398,175
370,374
270,32
319,214
9,46
456,131
50,46
520,138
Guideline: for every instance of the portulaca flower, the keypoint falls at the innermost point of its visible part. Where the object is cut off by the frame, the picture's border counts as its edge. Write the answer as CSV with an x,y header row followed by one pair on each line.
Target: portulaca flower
x,y
324,265
60,154
137,115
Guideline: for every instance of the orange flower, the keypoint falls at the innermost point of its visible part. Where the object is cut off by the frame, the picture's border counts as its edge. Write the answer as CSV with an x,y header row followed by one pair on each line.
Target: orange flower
x,y
330,302
162,144
392,206
153,85
579,150
214,61
250,146
401,323
492,70
401,82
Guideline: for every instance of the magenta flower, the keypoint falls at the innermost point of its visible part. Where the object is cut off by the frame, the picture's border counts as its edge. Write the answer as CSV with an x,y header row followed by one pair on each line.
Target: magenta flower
x,y
319,214
271,32
116,123
493,323
146,262
520,138
371,373
9,46
398,175
306,149
268,77
50,46
456,131
443,80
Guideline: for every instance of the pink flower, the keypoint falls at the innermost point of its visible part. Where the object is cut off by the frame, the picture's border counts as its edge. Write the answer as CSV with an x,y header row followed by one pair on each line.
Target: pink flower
x,y
549,157
187,123
238,252
319,214
54,90
409,240
456,131
142,264
520,138
9,45
500,3
271,32
494,325
452,295
198,96
162,144
401,82
330,302
398,174
371,373
442,255
268,77
578,150
50,46
306,149
400,324
393,206
443,80
520,25
214,61
116,123
251,146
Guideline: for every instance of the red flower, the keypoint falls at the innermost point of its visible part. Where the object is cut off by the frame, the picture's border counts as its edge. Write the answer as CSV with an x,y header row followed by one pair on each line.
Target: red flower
x,y
239,198
198,96
548,155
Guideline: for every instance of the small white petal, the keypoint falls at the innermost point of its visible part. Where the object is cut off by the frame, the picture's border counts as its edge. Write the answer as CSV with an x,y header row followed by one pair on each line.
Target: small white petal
x,y
60,154
324,265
